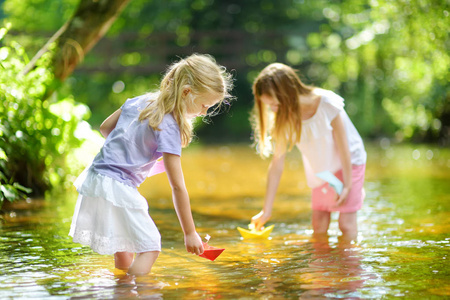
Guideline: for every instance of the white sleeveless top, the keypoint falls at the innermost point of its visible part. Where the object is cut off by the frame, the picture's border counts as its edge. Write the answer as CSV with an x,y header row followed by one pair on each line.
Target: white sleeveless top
x,y
317,145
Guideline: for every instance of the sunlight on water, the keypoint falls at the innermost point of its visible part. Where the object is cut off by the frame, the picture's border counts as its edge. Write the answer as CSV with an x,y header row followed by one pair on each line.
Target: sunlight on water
x,y
402,249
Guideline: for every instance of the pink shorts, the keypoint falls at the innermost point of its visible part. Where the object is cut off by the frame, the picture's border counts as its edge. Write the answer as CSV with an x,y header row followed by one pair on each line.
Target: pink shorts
x,y
324,197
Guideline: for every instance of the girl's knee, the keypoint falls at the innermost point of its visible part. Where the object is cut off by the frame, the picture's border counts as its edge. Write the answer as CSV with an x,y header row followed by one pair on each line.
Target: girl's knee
x,y
347,228
320,229
348,225
123,260
143,263
320,221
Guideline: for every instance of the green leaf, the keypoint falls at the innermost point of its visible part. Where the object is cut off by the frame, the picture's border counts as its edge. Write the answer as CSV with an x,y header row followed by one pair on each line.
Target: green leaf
x,y
22,188
9,192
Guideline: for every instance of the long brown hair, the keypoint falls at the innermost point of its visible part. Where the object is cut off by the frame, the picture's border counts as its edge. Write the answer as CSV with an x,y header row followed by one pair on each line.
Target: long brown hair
x,y
201,73
280,82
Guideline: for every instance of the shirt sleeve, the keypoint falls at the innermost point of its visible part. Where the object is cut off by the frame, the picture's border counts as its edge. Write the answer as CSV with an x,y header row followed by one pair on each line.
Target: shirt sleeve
x,y
125,105
133,103
169,140
333,105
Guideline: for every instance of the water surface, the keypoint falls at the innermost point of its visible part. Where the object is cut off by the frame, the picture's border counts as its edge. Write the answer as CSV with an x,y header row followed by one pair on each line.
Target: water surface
x,y
402,249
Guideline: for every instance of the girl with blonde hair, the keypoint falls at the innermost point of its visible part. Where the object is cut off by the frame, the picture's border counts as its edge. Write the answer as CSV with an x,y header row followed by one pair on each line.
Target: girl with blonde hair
x,y
289,113
110,215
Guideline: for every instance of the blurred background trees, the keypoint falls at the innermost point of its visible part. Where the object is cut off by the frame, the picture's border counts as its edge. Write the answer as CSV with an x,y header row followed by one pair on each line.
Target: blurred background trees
x,y
388,59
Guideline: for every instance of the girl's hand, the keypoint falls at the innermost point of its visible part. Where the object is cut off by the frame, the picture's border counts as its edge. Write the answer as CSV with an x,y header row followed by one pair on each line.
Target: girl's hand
x,y
343,196
193,243
260,219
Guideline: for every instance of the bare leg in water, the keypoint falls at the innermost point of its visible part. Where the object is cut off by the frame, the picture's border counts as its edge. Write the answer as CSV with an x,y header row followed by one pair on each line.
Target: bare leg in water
x,y
320,221
123,260
141,265
348,226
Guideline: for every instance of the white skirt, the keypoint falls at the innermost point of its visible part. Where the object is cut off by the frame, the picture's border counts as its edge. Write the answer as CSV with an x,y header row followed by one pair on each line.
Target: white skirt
x,y
112,217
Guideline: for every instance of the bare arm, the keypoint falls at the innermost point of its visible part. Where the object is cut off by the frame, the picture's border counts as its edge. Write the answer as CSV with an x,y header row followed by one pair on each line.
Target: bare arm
x,y
274,173
110,123
340,137
172,164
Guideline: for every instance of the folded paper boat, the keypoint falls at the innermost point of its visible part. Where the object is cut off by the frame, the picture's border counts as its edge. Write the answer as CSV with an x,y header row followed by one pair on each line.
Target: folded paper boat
x,y
255,234
332,180
211,252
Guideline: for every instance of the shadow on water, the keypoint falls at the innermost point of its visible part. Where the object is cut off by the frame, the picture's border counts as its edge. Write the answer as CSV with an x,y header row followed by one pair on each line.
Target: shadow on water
x,y
401,252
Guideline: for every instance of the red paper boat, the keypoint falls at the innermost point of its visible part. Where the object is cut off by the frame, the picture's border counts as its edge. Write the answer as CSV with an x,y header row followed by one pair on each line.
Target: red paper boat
x,y
211,252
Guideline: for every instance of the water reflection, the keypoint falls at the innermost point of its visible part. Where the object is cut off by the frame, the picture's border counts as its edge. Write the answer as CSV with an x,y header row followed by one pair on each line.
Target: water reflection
x,y
332,270
129,286
265,264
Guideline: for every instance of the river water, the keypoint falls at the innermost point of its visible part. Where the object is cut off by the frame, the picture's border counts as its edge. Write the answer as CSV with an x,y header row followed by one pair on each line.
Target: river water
x,y
402,249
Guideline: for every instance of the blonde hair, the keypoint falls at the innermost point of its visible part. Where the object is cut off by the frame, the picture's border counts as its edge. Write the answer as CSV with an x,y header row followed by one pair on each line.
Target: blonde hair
x,y
201,74
280,82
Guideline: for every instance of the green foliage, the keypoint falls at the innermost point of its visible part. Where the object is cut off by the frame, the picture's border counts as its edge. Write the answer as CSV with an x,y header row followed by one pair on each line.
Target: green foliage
x,y
46,15
388,59
36,16
35,134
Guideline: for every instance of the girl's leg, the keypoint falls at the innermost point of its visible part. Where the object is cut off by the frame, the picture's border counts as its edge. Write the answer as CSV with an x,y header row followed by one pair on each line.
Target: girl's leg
x,y
348,226
123,260
143,263
320,221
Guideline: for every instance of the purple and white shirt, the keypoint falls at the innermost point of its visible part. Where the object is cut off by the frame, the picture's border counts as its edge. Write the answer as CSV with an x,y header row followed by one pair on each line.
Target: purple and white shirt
x,y
133,147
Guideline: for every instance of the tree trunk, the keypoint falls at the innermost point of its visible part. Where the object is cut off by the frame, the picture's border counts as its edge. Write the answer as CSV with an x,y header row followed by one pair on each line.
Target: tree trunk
x,y
90,22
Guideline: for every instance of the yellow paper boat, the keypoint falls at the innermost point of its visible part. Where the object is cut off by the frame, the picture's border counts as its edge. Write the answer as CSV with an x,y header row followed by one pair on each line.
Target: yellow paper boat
x,y
254,234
